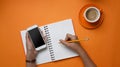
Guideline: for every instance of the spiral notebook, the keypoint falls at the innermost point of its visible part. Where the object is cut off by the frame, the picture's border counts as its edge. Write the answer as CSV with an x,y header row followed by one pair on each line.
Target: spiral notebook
x,y
55,50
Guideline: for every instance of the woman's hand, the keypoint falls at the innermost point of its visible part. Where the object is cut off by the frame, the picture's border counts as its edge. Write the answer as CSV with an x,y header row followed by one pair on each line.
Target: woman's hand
x,y
31,52
75,46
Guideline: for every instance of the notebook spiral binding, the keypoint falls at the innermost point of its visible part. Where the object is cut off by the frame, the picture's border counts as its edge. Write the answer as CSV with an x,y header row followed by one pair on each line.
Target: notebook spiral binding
x,y
49,44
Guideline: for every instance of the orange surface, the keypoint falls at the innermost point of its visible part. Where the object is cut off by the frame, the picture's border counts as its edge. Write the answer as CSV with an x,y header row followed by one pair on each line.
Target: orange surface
x,y
15,15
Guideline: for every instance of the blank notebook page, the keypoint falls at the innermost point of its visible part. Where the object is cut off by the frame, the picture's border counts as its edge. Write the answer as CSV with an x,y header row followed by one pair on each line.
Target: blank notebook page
x,y
58,31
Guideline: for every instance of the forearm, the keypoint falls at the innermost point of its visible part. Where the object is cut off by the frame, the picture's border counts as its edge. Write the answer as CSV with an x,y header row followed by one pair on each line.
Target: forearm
x,y
85,58
30,64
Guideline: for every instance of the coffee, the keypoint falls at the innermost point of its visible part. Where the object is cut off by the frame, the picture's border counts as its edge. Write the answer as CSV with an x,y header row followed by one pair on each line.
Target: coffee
x,y
91,14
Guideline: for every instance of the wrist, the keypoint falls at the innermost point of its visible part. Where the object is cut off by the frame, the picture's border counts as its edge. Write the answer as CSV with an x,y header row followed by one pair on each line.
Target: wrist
x,y
30,57
31,61
81,52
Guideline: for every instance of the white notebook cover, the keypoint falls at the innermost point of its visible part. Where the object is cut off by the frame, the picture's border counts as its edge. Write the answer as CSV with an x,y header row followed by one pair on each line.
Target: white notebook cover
x,y
57,31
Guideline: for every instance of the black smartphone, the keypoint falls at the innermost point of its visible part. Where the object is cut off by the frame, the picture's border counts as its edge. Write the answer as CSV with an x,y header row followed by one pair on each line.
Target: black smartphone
x,y
36,37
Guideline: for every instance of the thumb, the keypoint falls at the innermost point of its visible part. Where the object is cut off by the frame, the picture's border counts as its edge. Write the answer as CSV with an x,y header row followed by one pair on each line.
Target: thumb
x,y
64,42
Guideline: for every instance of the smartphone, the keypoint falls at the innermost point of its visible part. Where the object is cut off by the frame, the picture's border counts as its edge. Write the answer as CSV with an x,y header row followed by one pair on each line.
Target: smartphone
x,y
36,38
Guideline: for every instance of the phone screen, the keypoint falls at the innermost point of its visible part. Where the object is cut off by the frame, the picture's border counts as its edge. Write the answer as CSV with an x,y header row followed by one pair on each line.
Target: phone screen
x,y
36,37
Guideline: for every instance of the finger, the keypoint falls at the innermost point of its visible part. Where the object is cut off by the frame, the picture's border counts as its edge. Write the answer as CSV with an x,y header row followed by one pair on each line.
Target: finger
x,y
27,38
69,37
28,42
41,32
64,42
45,38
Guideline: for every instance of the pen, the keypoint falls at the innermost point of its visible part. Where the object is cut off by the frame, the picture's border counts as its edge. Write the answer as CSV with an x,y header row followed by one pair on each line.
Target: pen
x,y
85,39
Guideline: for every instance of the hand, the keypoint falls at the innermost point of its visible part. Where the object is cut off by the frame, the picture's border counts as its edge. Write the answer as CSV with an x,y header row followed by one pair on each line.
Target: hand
x,y
31,52
75,46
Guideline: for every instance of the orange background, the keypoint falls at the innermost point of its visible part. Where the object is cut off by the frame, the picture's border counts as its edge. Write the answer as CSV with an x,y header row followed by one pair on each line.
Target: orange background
x,y
15,15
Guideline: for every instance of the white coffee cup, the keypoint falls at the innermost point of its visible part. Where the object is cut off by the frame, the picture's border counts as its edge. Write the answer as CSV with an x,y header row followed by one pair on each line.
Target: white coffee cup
x,y
92,14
